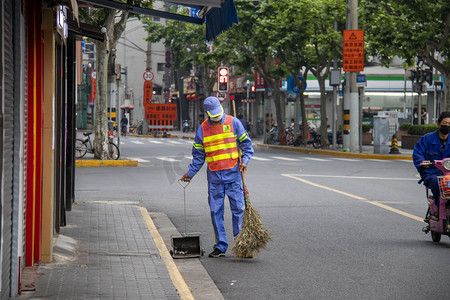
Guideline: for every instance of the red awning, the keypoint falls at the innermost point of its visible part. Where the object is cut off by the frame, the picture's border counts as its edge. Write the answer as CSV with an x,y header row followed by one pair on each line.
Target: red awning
x,y
129,107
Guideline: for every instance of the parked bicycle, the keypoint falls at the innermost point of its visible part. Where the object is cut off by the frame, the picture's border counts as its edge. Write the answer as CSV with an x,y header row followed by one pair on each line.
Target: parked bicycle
x,y
84,146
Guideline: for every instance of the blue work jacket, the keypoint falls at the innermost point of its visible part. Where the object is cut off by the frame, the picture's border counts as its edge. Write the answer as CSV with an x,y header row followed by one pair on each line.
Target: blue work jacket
x,y
429,148
221,176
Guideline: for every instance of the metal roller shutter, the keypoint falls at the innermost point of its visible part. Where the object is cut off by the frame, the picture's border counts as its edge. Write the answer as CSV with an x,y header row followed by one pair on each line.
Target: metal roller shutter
x,y
7,99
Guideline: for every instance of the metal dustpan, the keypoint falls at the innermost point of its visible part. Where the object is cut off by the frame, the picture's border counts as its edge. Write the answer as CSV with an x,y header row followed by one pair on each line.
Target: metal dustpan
x,y
186,245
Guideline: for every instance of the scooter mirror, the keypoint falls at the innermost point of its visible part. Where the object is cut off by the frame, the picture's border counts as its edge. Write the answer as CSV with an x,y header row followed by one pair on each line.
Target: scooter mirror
x,y
447,164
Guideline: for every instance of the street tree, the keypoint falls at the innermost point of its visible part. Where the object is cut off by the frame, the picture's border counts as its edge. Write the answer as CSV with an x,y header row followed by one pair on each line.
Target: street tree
x,y
247,47
113,22
408,29
305,40
189,48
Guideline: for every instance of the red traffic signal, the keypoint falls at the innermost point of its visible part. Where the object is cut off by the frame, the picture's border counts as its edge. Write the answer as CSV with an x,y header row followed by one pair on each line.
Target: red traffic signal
x,y
252,88
223,80
168,59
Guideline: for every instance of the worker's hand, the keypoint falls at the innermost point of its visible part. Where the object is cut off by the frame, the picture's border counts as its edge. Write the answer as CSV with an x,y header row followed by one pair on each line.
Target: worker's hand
x,y
242,168
185,178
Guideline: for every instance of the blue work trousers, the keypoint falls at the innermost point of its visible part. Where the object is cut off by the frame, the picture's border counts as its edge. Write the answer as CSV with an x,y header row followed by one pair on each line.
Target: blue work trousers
x,y
431,182
216,197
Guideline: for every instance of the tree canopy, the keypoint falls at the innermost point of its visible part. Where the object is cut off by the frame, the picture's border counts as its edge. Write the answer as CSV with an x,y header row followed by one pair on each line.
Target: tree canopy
x,y
409,28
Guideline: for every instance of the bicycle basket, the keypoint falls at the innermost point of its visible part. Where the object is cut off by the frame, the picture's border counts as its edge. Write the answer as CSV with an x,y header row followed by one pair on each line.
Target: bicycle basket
x,y
444,186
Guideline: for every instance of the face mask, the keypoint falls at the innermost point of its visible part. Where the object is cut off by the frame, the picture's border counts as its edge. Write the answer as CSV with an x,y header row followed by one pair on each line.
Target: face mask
x,y
445,129
217,119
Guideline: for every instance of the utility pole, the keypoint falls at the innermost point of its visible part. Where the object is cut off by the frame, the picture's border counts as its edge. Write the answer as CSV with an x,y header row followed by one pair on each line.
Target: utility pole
x,y
351,103
148,61
354,98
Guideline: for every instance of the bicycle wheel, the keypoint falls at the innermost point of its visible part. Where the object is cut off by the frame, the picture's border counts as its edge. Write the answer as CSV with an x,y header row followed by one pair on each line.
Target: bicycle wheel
x,y
113,151
80,148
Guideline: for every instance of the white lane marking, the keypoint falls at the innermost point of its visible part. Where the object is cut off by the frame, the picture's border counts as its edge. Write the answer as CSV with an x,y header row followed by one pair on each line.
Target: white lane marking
x,y
169,159
405,160
315,159
285,158
174,142
261,158
188,157
156,142
346,159
352,177
137,142
376,203
380,160
141,160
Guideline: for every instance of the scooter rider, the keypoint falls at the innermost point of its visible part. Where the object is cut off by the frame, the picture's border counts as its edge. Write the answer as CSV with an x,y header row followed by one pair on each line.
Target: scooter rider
x,y
217,142
432,146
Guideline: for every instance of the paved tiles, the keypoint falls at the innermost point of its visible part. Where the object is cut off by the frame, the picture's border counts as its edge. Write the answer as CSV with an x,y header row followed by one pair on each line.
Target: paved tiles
x,y
107,253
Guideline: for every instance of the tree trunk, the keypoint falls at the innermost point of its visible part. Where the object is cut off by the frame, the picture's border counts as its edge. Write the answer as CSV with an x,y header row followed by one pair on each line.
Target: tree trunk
x,y
323,112
101,102
278,107
304,127
447,90
300,85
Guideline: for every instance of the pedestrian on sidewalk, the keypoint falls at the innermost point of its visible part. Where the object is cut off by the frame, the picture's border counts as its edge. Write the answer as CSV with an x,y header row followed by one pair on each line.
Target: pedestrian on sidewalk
x,y
217,142
124,125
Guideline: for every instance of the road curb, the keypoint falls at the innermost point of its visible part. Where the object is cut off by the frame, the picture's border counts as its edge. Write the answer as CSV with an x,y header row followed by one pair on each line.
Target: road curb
x,y
174,273
106,163
337,153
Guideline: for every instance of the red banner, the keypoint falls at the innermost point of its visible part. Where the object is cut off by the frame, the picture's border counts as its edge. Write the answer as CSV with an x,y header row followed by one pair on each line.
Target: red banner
x,y
148,93
260,83
93,87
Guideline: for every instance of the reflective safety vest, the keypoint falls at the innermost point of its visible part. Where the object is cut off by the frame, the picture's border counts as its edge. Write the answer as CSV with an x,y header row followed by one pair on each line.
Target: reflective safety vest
x,y
219,143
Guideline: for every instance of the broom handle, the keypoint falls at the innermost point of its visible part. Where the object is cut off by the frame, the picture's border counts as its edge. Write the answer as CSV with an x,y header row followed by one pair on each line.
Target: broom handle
x,y
239,152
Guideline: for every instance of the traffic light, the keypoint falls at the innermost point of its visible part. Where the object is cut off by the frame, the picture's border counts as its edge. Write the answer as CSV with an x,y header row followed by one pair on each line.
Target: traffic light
x,y
168,59
428,76
252,92
223,80
413,75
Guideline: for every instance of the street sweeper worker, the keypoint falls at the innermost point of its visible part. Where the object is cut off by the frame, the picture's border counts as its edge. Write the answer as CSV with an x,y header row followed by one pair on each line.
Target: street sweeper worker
x,y
217,142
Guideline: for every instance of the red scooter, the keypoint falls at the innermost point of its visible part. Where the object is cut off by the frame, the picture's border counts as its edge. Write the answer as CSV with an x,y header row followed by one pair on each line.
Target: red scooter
x,y
438,218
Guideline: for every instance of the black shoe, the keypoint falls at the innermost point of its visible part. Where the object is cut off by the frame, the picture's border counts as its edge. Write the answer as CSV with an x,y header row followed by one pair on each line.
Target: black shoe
x,y
216,253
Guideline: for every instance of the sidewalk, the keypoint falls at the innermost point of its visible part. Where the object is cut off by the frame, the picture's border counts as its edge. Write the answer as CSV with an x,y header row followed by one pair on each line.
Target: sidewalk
x,y
115,251
105,252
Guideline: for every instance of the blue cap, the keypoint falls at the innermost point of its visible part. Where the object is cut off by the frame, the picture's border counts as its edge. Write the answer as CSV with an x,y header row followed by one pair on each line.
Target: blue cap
x,y
212,107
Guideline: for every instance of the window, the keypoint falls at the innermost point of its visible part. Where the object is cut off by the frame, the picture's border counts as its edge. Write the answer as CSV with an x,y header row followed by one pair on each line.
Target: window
x,y
161,67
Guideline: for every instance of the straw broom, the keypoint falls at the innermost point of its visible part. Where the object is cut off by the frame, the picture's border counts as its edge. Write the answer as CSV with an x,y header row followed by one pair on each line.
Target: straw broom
x,y
253,236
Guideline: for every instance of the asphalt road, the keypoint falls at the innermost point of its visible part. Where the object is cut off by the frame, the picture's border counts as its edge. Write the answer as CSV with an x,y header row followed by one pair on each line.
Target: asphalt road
x,y
342,228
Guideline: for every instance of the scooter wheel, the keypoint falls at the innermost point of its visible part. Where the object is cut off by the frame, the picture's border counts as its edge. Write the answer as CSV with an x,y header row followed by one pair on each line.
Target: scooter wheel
x,y
436,237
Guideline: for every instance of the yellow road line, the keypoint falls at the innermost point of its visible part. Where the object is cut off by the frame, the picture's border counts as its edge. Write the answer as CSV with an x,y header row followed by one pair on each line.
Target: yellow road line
x,y
174,273
394,210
